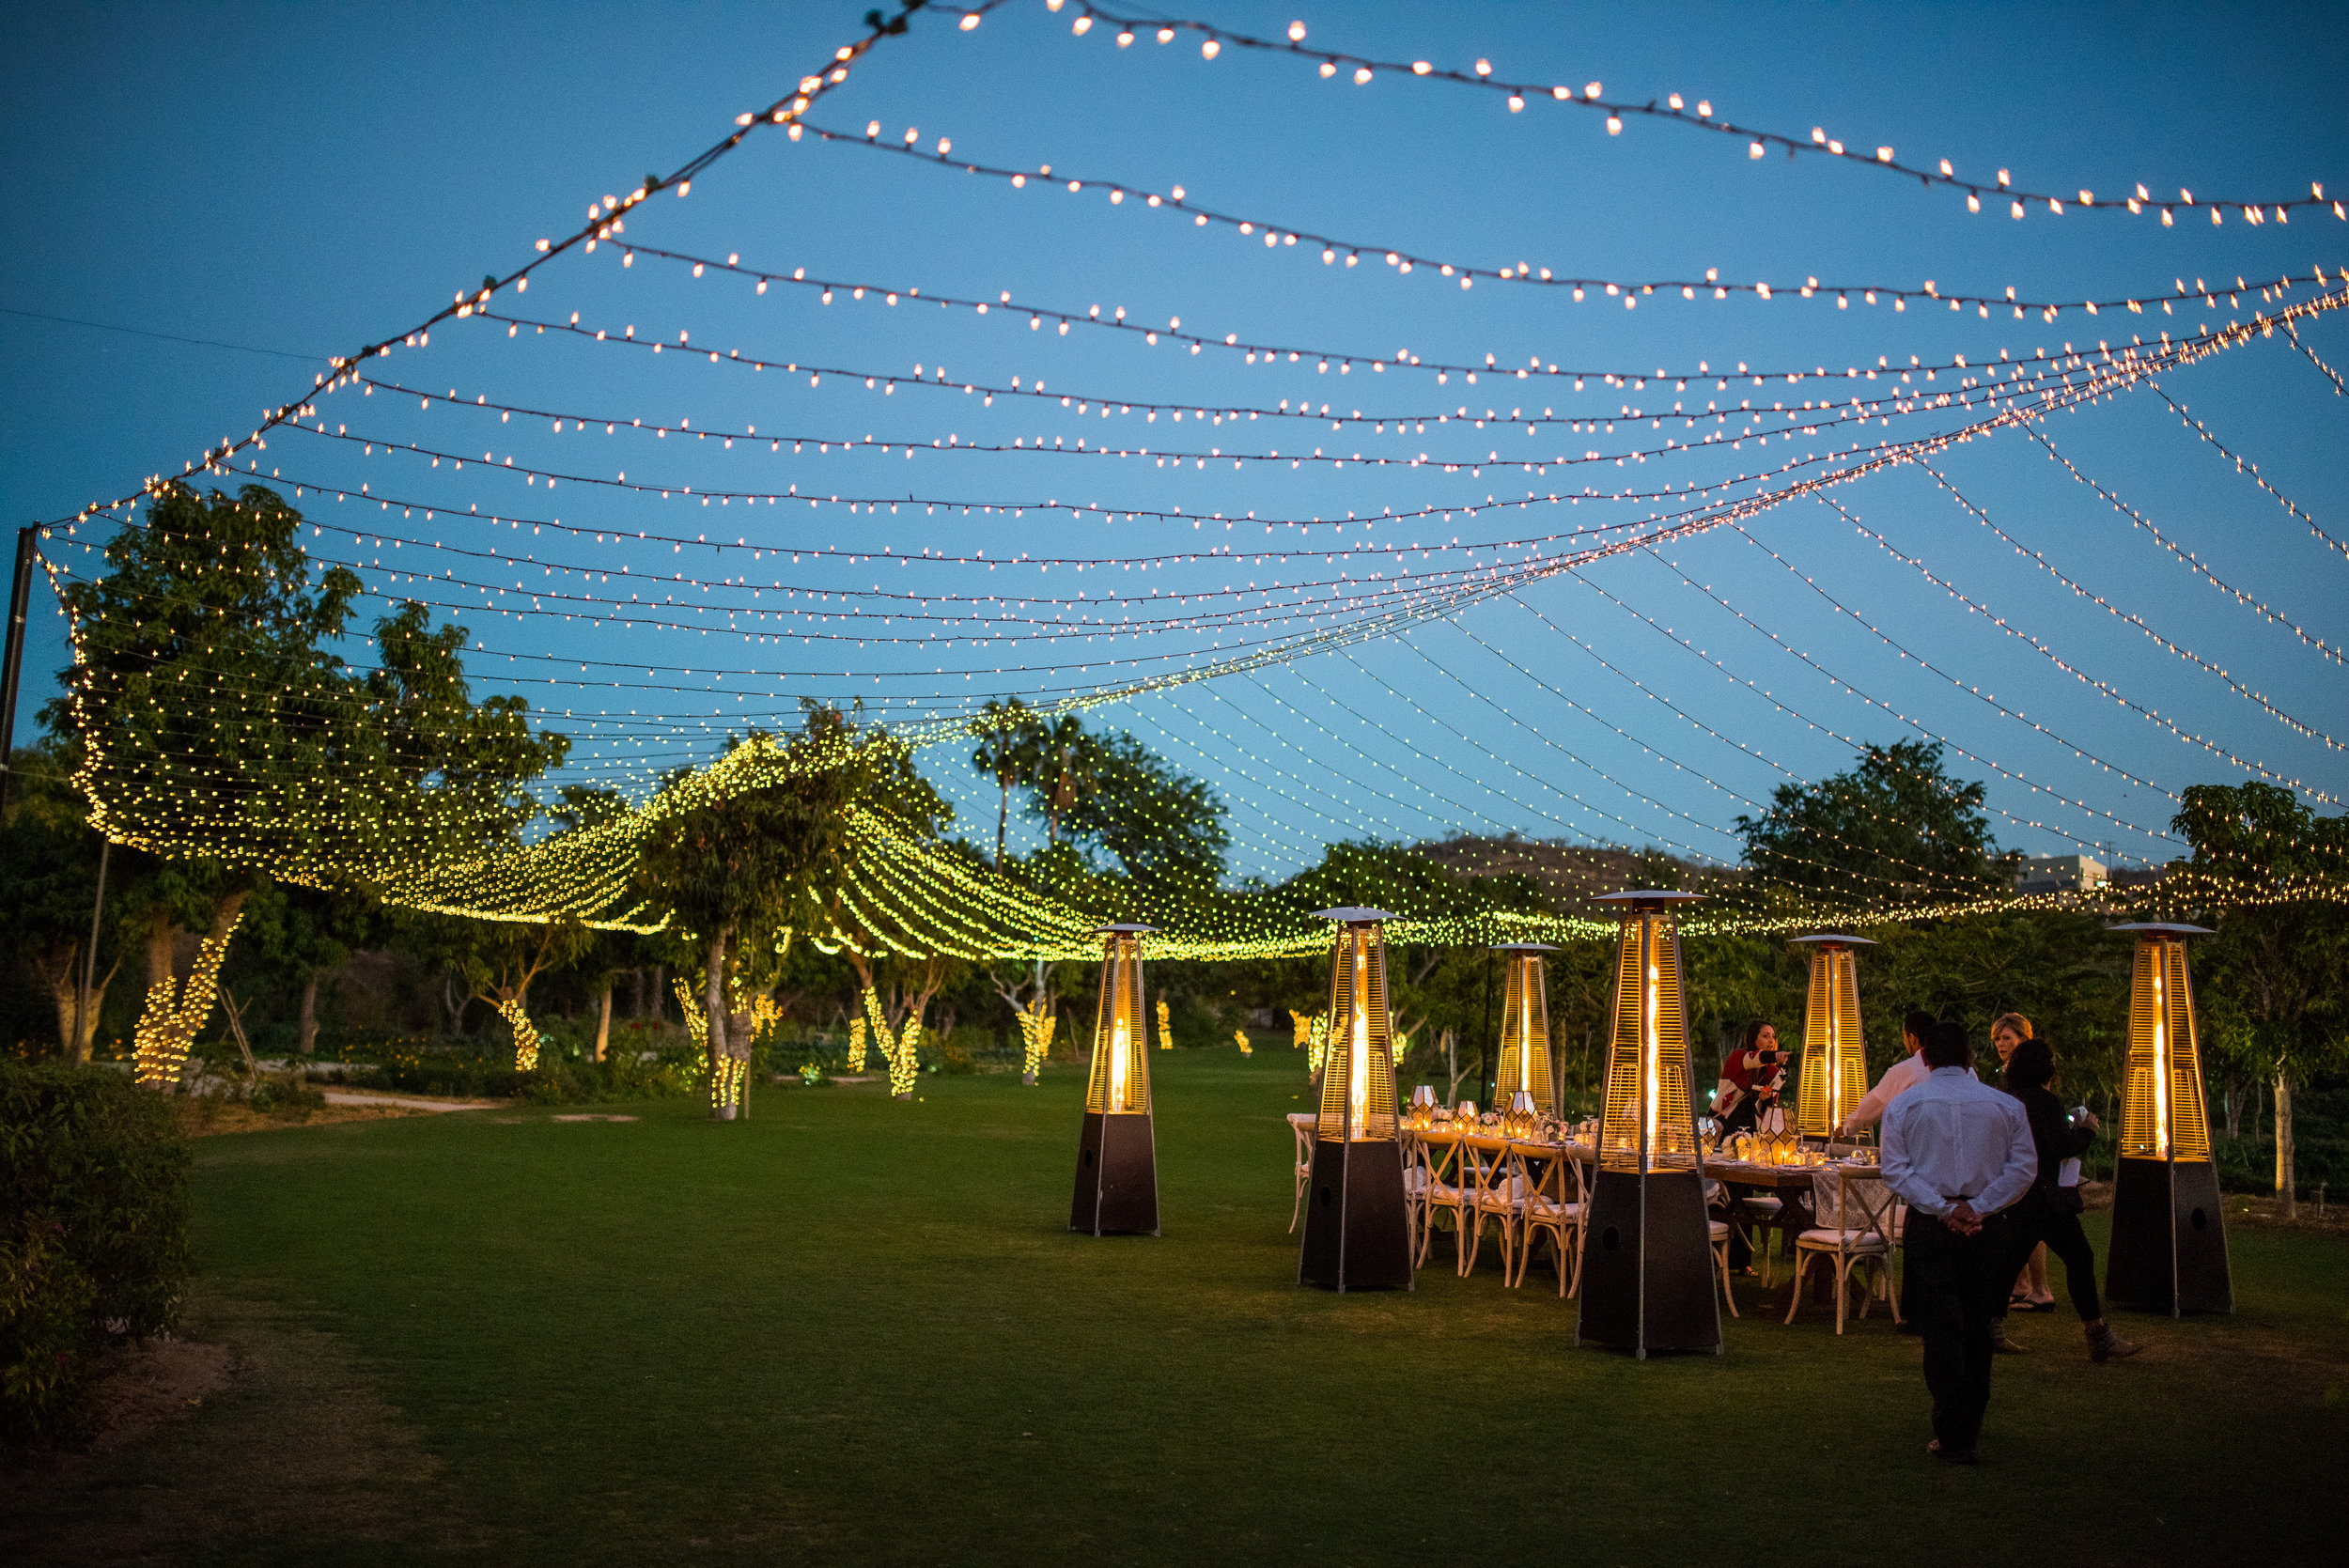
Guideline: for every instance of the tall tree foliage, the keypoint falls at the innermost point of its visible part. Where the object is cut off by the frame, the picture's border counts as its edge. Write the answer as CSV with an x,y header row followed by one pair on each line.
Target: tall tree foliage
x,y
2280,962
212,722
200,687
746,874
1159,824
1893,828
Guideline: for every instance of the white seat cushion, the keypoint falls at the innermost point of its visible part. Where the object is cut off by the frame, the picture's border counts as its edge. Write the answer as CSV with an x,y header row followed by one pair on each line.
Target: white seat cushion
x,y
1549,1210
1717,1230
1851,1241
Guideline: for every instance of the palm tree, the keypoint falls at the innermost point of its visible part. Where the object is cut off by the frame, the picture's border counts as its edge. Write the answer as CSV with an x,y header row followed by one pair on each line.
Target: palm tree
x,y
1007,750
1065,768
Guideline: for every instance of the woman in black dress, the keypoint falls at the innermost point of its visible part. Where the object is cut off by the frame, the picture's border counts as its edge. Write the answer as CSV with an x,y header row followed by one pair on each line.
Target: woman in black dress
x,y
2050,1211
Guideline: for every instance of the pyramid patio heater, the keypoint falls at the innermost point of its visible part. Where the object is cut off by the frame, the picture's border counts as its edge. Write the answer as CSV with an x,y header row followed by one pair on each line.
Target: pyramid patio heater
x,y
1647,1262
1525,1030
1118,1160
2168,1250
1358,1234
1834,1076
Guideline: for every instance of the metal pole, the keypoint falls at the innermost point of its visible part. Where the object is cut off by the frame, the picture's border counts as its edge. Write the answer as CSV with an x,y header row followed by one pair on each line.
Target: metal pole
x,y
89,970
1492,1069
12,666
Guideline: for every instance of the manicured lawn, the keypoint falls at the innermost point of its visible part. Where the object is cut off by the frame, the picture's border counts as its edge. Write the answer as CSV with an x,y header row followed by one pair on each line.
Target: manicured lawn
x,y
854,1331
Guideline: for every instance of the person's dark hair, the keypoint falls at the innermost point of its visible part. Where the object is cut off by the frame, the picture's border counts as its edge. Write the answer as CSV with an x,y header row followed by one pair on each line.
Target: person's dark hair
x,y
2031,1066
1918,1022
1947,1047
1753,1033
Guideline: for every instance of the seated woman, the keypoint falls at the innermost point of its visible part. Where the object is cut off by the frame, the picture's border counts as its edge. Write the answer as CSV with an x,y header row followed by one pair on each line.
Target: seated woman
x,y
1752,1077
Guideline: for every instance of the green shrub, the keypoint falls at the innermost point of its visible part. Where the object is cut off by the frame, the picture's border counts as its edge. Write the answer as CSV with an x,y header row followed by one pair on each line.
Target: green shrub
x,y
94,1184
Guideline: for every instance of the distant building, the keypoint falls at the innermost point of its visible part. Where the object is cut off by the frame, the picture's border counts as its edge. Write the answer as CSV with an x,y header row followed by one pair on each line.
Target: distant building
x,y
2062,874
2138,877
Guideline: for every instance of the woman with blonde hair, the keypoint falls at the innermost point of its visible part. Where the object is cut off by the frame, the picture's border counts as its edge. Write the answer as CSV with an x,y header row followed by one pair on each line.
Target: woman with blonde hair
x,y
2031,1293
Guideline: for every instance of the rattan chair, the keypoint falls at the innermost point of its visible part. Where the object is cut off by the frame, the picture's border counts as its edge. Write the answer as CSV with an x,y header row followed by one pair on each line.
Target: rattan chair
x,y
1302,1124
1857,1224
1416,1179
1445,1191
1716,1232
1549,1211
1496,1193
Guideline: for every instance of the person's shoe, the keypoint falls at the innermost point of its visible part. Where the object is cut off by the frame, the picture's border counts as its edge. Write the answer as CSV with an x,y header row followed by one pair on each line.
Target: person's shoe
x,y
1999,1343
1951,1457
2104,1344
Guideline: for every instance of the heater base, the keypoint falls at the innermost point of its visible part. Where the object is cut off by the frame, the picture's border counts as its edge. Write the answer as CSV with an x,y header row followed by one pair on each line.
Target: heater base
x,y
1117,1176
2168,1250
1357,1232
1647,1264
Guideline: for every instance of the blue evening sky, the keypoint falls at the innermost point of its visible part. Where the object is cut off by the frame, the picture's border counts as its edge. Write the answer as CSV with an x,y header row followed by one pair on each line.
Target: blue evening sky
x,y
305,180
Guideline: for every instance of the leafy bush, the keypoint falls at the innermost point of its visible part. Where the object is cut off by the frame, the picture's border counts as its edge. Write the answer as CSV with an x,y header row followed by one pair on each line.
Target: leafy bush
x,y
94,1181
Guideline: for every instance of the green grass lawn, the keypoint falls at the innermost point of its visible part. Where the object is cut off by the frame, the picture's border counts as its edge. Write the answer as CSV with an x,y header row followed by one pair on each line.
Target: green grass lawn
x,y
850,1330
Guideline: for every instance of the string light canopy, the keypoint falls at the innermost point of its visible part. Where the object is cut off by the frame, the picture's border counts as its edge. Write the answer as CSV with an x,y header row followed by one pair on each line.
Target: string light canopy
x,y
2168,1249
465,548
1357,1227
1647,1273
1834,1069
1525,1065
1117,1161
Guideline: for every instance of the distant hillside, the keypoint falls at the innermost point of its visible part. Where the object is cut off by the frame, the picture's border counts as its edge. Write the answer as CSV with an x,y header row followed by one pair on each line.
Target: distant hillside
x,y
1573,872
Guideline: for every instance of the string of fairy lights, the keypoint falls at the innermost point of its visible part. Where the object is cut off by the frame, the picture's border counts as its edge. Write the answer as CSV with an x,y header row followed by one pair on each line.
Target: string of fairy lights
x,y
1245,593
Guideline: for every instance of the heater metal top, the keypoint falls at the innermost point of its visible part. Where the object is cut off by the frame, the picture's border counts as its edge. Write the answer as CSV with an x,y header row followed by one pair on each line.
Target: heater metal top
x,y
1838,938
1647,898
2164,929
1123,929
1524,947
1353,914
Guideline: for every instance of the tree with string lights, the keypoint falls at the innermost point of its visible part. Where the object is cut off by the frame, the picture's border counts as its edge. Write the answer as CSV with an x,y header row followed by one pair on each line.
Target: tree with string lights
x,y
2272,977
207,687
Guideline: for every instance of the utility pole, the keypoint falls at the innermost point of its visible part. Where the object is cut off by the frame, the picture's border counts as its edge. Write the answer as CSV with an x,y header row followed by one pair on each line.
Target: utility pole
x,y
12,667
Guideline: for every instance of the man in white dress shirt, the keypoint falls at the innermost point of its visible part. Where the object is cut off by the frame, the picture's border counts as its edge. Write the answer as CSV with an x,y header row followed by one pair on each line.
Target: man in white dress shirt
x,y
1898,1078
1957,1152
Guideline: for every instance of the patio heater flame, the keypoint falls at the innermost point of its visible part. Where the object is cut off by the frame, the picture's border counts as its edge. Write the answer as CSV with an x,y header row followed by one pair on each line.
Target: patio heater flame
x,y
1647,1276
2168,1247
1834,1073
1117,1176
1525,1067
1357,1233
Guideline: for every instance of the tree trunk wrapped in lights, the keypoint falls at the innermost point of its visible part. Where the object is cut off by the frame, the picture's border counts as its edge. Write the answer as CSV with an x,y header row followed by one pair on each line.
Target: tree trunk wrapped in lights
x,y
857,1045
525,1034
900,1047
1525,1029
1834,1073
1038,1023
2168,1249
1117,1161
1356,1231
176,1009
1166,1025
1647,1273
